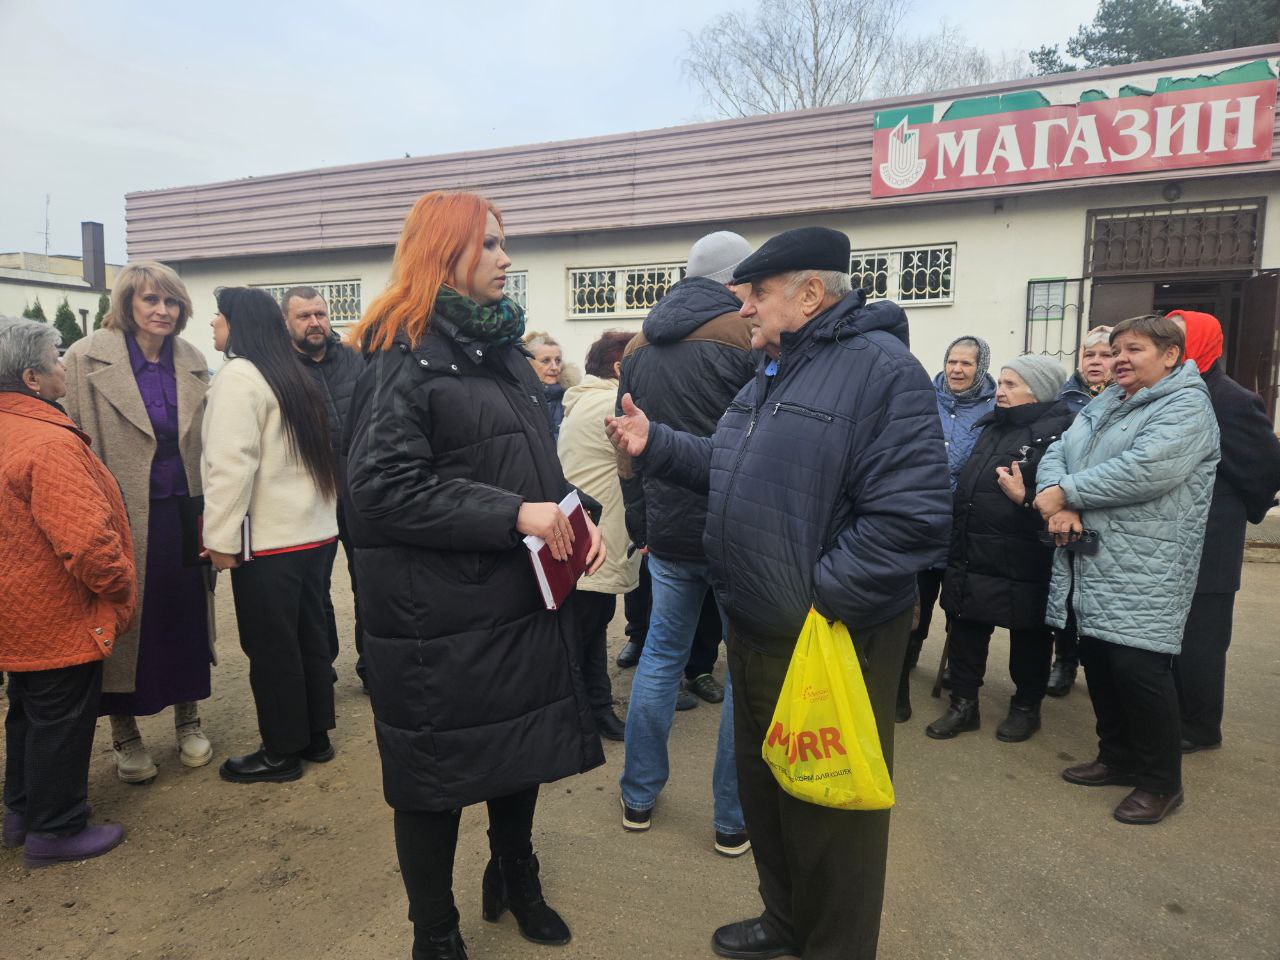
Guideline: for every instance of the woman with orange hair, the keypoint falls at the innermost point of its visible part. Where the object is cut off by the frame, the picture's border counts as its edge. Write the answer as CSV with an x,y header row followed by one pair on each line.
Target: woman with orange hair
x,y
475,688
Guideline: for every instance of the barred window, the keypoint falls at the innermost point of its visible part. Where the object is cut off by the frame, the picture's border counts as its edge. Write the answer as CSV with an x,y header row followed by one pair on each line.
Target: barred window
x,y
342,296
612,291
910,275
517,288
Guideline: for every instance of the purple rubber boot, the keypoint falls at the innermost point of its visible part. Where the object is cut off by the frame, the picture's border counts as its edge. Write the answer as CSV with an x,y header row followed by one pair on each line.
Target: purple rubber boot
x,y
15,830
92,841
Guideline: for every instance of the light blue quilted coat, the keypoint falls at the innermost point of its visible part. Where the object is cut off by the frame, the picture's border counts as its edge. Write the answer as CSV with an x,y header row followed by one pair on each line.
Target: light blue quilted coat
x,y
1140,471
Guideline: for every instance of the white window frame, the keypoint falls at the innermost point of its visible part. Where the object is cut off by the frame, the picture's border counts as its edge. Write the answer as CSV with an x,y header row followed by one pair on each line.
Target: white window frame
x,y
675,272
894,269
517,288
332,291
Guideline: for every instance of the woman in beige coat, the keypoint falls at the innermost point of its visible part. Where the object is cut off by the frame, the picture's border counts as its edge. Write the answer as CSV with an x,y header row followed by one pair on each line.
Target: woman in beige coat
x,y
138,390
591,464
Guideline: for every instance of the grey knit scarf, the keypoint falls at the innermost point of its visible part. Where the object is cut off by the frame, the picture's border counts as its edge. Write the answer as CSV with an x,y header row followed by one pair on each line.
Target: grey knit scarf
x,y
984,362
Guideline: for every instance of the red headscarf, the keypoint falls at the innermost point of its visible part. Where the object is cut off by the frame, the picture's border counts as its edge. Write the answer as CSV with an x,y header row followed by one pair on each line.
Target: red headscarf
x,y
1204,337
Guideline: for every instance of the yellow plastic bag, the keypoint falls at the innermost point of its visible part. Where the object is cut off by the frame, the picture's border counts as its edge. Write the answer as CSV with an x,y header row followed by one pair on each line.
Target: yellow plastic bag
x,y
822,744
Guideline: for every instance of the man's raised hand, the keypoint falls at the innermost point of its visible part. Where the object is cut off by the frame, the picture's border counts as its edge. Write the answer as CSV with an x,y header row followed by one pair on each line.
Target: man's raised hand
x,y
629,432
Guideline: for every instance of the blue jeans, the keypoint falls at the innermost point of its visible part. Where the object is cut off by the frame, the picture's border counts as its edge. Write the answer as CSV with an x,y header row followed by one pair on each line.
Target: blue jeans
x,y
678,591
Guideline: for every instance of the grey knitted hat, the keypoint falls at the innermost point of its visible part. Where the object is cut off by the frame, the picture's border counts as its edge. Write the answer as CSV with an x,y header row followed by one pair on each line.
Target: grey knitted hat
x,y
716,255
1042,374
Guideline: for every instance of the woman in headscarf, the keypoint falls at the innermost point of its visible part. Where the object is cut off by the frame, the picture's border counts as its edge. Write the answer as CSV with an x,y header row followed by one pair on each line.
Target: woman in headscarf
x,y
1245,488
966,393
477,696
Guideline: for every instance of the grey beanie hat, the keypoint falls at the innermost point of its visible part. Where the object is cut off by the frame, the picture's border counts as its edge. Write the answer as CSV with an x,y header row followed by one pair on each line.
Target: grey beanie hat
x,y
1042,374
716,255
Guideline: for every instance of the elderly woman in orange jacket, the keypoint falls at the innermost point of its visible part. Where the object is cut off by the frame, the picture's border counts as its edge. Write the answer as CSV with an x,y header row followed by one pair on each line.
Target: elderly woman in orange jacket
x,y
68,588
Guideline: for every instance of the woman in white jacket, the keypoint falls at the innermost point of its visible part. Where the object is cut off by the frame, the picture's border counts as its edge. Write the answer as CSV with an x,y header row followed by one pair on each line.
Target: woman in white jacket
x,y
591,464
269,478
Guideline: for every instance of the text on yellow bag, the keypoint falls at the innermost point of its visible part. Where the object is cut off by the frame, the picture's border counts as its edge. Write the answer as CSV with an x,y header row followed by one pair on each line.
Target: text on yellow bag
x,y
823,746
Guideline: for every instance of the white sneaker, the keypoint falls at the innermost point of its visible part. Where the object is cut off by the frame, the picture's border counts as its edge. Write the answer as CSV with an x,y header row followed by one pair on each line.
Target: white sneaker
x,y
194,748
133,762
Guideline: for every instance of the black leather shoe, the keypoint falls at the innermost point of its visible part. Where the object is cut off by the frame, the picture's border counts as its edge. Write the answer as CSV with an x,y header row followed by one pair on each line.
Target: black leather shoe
x,y
261,767
1062,678
515,884
1190,746
961,716
630,655
319,750
707,688
1097,774
445,944
609,726
1021,723
750,940
1145,807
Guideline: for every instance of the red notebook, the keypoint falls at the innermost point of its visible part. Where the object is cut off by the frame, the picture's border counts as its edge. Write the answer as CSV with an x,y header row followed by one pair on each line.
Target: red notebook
x,y
556,578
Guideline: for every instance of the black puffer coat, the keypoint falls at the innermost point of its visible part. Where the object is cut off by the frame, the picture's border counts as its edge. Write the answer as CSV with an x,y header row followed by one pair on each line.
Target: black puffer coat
x,y
1248,477
336,375
476,692
828,481
998,570
690,360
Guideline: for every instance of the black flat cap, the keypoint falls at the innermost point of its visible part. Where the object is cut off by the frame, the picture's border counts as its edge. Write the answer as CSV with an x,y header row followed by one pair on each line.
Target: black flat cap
x,y
805,248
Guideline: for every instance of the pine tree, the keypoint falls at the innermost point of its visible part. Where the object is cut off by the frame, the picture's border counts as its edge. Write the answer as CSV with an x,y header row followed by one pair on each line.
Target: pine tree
x,y
35,312
65,320
104,305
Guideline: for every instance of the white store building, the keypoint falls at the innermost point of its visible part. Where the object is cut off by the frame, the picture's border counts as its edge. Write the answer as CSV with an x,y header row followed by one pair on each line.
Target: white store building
x,y
1020,212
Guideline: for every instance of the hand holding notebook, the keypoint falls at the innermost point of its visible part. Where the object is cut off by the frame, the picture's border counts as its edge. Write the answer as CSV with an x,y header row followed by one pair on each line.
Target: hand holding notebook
x,y
556,578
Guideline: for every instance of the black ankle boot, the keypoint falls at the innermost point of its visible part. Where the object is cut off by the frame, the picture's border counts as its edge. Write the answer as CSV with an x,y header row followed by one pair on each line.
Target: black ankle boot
x,y
961,715
443,942
1021,723
514,883
902,712
1062,678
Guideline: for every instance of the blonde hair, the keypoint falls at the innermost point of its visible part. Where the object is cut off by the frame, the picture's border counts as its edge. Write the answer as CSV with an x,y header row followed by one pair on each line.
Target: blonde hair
x,y
136,278
536,338
1095,336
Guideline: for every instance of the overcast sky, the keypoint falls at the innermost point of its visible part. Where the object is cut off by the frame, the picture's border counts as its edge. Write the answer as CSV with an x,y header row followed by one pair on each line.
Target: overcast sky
x,y
99,99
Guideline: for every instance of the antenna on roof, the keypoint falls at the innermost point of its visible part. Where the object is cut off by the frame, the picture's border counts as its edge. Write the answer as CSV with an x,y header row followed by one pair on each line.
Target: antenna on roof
x,y
46,224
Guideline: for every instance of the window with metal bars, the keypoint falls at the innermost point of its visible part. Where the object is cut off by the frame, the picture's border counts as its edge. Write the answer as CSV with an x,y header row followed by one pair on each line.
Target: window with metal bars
x,y
517,288
614,291
342,296
910,275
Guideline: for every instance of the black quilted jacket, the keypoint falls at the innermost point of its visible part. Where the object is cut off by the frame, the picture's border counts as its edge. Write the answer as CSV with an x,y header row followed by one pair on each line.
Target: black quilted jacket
x,y
828,481
998,570
475,686
690,361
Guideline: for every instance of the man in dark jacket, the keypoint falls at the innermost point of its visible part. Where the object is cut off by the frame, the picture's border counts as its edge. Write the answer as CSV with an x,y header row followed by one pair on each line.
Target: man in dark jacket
x,y
335,368
827,483
690,360
1245,489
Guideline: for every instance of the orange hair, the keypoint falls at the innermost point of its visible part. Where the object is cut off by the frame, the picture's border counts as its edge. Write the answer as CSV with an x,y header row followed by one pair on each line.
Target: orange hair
x,y
437,233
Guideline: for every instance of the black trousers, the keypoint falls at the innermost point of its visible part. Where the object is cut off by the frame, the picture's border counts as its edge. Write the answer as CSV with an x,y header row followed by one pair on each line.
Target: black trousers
x,y
330,619
929,584
594,613
1200,671
280,613
426,842
1030,656
1136,705
48,741
1066,643
821,870
638,605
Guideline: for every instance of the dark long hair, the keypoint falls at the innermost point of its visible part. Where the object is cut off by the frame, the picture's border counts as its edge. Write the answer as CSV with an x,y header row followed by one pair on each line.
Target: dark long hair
x,y
257,334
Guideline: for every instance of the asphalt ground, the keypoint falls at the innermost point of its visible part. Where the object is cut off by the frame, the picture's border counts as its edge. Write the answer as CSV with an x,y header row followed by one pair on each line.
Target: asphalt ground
x,y
992,855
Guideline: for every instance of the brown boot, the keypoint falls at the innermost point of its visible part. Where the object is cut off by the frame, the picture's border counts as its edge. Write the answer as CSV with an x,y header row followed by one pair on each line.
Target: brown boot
x,y
1143,806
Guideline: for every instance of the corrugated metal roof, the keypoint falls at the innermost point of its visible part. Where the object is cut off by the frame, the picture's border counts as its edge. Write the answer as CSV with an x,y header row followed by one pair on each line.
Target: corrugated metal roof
x,y
767,166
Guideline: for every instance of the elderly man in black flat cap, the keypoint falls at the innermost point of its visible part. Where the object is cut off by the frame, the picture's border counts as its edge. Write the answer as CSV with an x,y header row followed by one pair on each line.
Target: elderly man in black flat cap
x,y
827,486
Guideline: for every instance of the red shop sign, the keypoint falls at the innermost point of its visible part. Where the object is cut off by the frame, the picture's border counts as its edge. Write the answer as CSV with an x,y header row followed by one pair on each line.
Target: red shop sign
x,y
1200,127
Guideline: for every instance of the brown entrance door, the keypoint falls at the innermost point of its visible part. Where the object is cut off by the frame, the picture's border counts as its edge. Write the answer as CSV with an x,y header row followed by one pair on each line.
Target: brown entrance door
x,y
1112,301
1255,358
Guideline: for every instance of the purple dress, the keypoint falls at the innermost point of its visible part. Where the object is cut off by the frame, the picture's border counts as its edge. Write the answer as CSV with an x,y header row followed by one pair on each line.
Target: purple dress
x,y
173,641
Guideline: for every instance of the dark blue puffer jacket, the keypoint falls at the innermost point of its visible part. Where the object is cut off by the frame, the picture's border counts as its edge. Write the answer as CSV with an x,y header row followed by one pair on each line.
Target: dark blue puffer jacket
x,y
827,482
958,421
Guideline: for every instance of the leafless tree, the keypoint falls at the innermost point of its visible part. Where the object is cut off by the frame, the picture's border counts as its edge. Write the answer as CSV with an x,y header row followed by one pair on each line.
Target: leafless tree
x,y
795,54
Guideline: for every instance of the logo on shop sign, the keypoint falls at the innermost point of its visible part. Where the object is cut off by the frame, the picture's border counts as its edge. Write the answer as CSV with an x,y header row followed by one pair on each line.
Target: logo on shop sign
x,y
1184,127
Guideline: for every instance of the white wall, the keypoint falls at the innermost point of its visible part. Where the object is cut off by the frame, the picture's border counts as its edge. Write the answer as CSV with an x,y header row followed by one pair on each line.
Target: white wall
x,y
997,253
